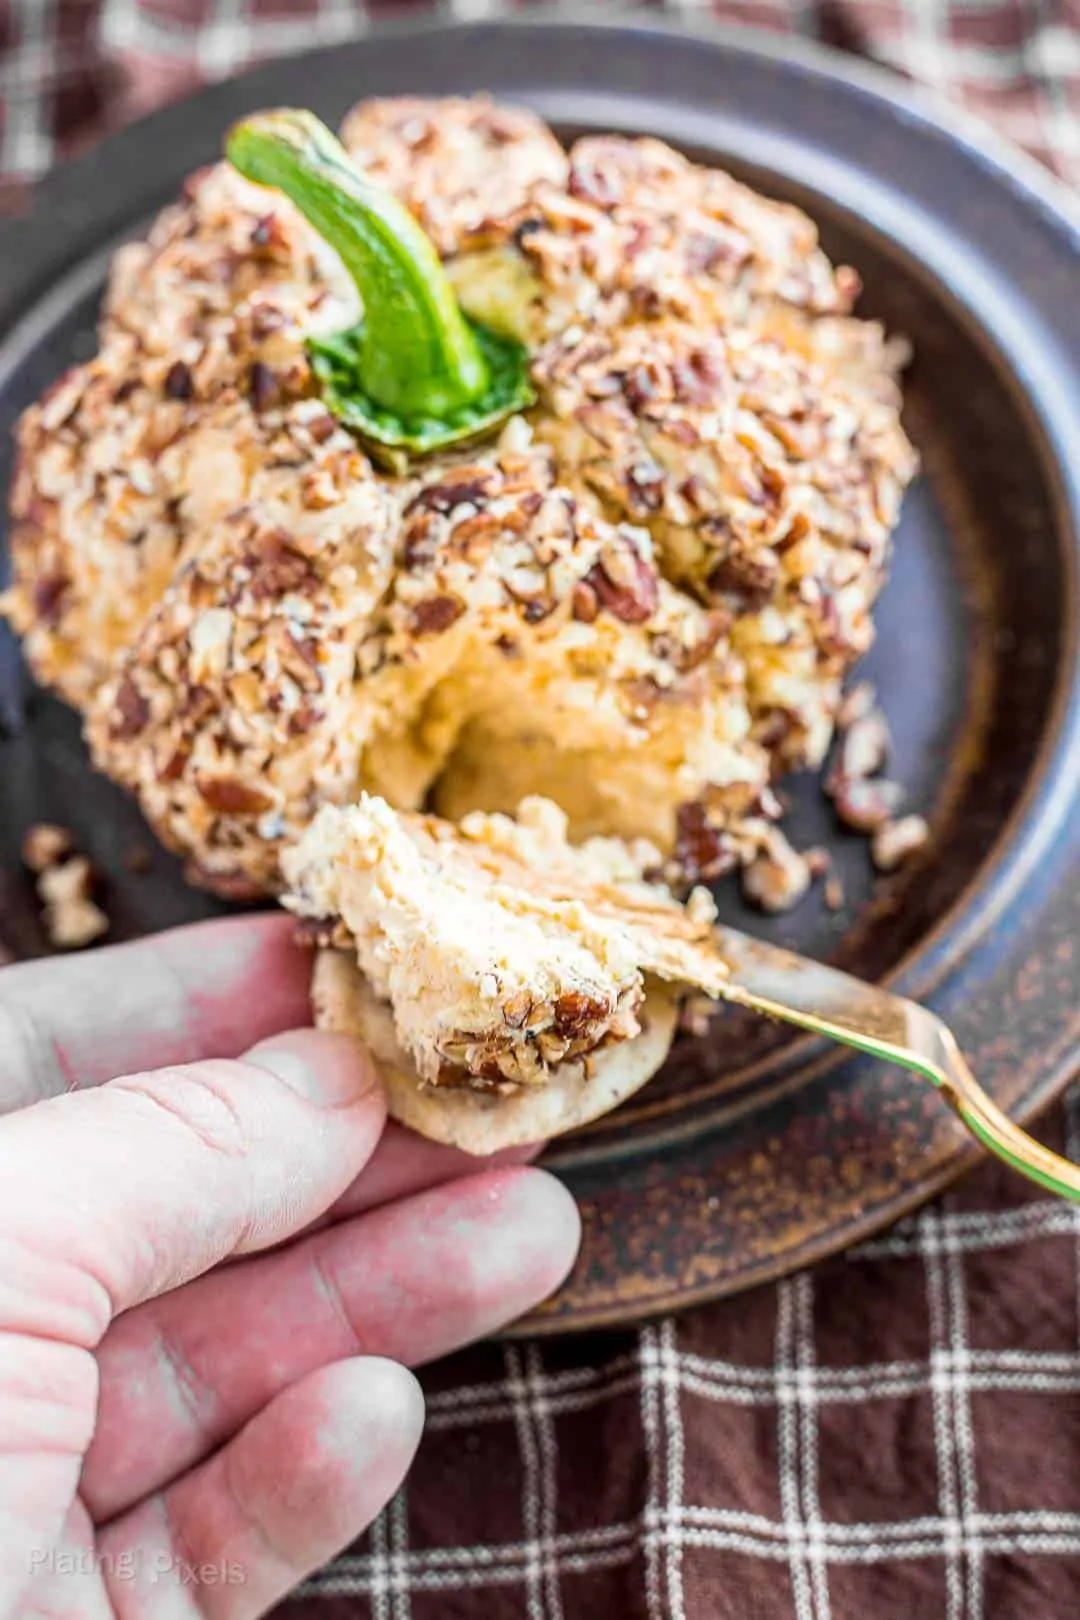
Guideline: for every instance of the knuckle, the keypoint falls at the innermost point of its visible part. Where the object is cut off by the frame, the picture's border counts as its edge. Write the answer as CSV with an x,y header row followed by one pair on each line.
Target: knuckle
x,y
48,1395
201,1102
30,1069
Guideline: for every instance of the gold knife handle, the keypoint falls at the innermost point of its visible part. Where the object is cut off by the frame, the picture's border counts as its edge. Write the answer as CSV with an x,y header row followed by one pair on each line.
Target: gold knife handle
x,y
995,1130
825,1001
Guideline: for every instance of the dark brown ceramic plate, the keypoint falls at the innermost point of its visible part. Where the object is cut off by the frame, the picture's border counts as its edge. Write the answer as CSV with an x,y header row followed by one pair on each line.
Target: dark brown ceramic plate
x,y
754,1151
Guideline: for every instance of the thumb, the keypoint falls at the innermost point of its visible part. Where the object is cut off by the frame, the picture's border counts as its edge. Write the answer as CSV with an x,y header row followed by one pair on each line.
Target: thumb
x,y
113,1195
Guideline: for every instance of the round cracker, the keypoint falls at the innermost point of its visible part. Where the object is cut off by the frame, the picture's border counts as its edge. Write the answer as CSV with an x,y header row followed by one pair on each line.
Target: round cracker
x,y
483,1122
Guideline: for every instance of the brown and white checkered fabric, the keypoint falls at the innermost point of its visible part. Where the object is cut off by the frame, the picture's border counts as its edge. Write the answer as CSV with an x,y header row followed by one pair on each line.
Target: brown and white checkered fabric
x,y
895,1436
72,68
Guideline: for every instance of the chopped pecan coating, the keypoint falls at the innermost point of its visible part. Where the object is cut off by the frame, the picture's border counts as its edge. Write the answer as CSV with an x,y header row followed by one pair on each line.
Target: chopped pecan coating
x,y
230,715
71,917
457,164
44,845
897,840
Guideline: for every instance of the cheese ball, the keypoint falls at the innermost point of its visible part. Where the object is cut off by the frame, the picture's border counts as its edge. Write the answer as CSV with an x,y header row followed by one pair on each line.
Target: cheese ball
x,y
640,601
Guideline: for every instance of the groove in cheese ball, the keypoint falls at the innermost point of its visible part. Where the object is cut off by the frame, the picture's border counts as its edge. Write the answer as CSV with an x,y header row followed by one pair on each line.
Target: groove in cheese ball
x,y
473,633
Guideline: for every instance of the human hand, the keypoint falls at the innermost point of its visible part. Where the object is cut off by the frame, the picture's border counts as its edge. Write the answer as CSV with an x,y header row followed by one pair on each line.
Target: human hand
x,y
189,1426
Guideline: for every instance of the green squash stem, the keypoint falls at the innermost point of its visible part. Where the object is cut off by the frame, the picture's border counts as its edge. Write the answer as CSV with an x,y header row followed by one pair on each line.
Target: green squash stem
x,y
415,374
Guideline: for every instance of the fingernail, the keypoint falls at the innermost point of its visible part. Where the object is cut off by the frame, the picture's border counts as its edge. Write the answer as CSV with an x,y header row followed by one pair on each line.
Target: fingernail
x,y
331,1071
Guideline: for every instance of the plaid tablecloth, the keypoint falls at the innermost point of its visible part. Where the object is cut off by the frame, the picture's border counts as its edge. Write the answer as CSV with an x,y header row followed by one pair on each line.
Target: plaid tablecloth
x,y
891,1437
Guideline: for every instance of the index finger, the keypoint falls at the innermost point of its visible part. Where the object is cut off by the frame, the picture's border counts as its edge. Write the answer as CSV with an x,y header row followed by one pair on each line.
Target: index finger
x,y
212,989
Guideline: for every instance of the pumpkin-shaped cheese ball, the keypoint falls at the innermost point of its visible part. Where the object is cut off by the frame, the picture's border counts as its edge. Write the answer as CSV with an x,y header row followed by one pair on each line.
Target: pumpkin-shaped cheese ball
x,y
484,470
